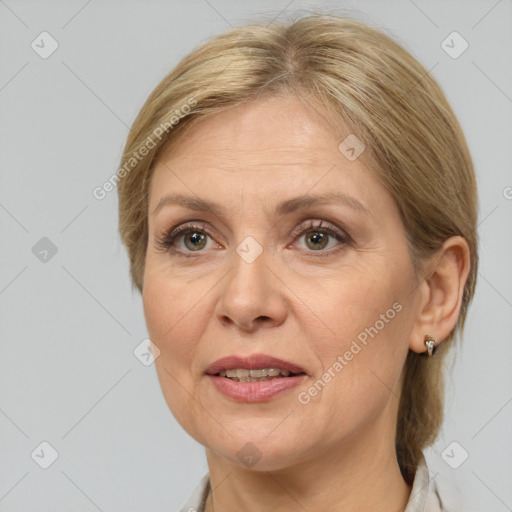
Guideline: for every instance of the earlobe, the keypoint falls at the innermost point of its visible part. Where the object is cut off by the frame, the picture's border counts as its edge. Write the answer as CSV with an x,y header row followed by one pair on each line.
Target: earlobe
x,y
441,295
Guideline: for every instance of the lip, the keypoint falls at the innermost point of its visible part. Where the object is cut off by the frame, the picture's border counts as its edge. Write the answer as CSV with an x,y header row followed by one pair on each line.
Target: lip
x,y
252,392
252,362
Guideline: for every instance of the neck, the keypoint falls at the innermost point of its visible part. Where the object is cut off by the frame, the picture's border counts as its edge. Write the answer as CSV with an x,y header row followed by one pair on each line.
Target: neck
x,y
351,479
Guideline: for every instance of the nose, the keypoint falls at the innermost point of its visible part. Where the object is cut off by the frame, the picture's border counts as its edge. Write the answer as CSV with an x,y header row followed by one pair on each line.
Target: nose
x,y
252,296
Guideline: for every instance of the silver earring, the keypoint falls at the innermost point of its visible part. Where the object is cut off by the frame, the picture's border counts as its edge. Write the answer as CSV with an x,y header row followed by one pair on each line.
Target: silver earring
x,y
430,342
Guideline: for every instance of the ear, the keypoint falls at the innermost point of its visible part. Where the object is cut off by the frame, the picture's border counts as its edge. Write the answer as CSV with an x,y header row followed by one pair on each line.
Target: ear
x,y
441,293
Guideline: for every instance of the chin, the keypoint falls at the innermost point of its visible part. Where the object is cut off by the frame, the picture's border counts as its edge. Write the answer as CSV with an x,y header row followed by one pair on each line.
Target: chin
x,y
256,450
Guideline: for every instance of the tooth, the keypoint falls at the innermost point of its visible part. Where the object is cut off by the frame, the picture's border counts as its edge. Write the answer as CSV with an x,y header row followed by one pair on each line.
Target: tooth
x,y
258,373
245,375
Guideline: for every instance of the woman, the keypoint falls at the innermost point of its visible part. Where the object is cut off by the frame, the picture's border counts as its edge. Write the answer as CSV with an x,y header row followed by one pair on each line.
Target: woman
x,y
299,207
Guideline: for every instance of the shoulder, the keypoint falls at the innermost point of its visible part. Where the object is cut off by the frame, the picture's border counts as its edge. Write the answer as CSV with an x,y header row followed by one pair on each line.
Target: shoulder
x,y
197,499
430,494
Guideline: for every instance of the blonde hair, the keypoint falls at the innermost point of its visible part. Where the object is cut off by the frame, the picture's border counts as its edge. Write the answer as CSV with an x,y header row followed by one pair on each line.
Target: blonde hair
x,y
365,83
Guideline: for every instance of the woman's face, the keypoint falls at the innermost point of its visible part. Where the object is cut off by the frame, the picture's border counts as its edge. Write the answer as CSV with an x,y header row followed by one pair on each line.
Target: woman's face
x,y
253,275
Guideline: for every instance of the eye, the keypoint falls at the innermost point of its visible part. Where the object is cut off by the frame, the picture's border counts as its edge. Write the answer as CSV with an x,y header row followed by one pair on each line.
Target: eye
x,y
319,236
183,239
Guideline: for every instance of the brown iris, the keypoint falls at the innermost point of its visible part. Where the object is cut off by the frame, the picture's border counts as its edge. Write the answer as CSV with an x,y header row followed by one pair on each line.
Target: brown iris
x,y
317,238
197,240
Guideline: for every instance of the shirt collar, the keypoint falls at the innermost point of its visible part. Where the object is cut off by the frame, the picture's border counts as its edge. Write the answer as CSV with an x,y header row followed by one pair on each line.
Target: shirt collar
x,y
424,495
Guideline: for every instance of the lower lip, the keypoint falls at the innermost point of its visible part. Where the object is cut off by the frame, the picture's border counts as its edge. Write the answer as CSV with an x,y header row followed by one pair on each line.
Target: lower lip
x,y
255,391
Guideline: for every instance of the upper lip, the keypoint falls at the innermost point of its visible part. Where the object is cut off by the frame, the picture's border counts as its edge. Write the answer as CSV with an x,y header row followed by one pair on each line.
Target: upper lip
x,y
252,362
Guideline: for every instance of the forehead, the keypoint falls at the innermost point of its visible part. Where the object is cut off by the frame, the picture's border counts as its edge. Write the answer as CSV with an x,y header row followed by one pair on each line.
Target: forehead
x,y
275,128
267,148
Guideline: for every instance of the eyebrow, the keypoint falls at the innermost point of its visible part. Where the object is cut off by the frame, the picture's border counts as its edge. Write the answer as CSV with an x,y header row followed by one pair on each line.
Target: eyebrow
x,y
286,207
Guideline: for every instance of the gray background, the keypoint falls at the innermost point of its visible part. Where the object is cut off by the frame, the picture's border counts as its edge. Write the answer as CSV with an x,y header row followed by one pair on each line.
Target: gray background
x,y
70,324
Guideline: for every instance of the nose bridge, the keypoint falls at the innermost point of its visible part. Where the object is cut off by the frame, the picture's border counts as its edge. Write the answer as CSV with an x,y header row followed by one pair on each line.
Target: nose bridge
x,y
248,278
251,292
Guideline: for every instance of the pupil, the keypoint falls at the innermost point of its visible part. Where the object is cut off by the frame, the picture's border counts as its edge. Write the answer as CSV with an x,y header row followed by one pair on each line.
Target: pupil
x,y
318,238
196,240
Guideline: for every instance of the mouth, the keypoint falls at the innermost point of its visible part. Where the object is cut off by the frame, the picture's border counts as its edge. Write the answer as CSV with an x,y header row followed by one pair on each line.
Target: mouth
x,y
258,375
254,378
254,368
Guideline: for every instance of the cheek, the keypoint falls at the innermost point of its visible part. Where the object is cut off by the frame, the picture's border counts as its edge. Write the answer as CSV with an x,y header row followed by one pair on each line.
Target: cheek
x,y
349,303
366,344
169,313
169,309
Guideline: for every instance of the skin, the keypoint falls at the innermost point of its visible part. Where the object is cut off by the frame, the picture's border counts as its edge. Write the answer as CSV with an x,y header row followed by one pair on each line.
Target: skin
x,y
337,451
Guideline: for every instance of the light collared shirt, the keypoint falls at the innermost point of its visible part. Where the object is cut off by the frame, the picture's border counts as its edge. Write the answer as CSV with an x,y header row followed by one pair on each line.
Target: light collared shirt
x,y
425,496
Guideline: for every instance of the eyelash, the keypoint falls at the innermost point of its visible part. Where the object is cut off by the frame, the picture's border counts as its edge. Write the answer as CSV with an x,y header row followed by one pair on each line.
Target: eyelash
x,y
166,240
